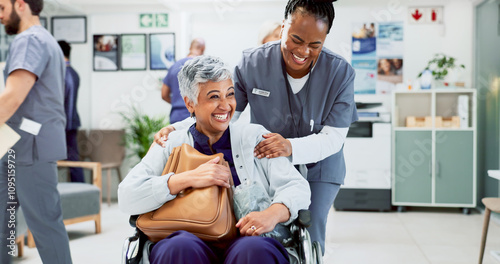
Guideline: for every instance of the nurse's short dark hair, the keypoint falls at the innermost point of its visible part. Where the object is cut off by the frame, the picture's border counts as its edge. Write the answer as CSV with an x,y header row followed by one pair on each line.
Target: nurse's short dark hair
x,y
321,9
201,69
36,6
65,47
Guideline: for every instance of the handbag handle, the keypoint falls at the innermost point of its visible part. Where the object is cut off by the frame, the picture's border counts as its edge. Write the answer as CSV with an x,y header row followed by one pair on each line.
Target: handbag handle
x,y
173,160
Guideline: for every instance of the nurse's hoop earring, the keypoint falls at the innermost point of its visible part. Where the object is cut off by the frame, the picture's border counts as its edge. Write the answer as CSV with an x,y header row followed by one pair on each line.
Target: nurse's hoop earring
x,y
193,115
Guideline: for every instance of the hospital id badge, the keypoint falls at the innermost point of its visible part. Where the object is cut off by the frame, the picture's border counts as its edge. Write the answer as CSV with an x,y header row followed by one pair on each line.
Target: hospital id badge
x,y
261,92
30,126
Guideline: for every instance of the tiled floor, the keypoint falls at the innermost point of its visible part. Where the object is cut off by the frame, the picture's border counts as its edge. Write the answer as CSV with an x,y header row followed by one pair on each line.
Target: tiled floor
x,y
419,236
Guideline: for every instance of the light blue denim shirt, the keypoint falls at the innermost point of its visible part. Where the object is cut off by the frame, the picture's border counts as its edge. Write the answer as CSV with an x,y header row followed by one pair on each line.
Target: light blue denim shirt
x,y
145,189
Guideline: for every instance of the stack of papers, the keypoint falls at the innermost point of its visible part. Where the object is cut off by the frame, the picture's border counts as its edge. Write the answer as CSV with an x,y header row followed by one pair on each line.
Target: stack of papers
x,y
8,137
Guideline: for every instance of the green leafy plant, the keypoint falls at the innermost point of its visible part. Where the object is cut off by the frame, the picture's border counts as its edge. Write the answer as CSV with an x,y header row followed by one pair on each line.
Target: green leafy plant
x,y
140,130
440,66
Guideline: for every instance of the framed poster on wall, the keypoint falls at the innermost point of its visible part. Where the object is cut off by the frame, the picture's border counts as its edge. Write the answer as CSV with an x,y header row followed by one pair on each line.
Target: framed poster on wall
x,y
106,52
133,52
70,29
161,51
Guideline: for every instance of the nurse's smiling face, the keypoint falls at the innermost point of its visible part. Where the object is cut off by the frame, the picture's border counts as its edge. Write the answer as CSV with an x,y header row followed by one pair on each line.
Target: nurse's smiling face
x,y
302,38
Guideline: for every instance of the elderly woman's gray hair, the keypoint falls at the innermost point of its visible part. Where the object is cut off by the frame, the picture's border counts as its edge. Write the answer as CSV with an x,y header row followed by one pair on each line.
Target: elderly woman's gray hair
x,y
199,70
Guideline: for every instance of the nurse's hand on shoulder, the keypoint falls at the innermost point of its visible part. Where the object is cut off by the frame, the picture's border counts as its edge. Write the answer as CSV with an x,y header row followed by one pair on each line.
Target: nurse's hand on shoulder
x,y
274,145
162,135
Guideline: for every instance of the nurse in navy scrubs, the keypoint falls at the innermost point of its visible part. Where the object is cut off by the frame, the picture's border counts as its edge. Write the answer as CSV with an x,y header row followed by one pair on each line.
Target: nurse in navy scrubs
x,y
304,94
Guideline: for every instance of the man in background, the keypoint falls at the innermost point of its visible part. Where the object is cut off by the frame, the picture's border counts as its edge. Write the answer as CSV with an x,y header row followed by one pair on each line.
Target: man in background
x,y
33,105
170,89
71,85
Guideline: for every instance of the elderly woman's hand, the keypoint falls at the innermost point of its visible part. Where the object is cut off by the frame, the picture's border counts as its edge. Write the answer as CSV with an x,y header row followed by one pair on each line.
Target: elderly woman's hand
x,y
258,223
162,135
207,174
274,145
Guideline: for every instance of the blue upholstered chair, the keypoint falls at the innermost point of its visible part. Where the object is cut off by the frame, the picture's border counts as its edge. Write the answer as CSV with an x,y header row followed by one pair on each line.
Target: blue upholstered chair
x,y
79,201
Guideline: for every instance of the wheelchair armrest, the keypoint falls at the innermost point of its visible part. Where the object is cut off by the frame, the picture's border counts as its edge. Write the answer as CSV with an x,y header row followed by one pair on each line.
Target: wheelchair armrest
x,y
132,220
304,219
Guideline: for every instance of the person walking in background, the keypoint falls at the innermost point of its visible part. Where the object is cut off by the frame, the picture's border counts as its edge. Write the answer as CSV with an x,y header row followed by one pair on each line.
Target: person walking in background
x,y
269,31
71,85
33,105
170,89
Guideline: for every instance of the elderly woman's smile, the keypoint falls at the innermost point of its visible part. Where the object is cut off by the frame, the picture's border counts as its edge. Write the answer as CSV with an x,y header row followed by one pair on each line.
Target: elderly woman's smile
x,y
215,108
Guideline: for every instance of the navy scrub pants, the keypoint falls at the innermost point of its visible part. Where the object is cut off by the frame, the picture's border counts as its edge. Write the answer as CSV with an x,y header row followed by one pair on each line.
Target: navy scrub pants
x,y
72,148
184,247
322,196
36,191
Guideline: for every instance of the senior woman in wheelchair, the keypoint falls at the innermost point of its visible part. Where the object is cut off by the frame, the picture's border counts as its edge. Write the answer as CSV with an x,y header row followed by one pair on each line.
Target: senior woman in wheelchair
x,y
208,92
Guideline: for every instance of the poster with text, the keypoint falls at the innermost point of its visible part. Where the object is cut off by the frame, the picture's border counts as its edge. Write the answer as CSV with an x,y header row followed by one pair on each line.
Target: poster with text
x,y
364,41
133,52
366,76
162,51
390,39
390,48
106,52
364,57
377,56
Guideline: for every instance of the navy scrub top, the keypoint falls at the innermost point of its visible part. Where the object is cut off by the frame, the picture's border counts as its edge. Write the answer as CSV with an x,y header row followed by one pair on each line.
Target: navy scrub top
x,y
327,99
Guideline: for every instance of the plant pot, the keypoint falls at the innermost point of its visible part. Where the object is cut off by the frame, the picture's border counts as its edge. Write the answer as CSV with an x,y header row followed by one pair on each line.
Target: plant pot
x,y
437,84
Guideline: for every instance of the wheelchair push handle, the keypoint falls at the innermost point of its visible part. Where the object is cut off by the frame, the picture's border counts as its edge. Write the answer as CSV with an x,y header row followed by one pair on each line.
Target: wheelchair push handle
x,y
304,218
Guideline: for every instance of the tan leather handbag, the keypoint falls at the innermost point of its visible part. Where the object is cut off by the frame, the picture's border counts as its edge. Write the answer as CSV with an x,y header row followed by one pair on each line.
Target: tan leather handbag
x,y
205,212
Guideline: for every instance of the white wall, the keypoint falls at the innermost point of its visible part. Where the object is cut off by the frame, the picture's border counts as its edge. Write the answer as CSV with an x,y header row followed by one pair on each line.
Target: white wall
x,y
454,38
230,30
114,92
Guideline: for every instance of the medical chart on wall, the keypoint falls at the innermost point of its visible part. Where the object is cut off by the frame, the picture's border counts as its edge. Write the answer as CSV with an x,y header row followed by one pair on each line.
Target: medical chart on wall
x,y
377,56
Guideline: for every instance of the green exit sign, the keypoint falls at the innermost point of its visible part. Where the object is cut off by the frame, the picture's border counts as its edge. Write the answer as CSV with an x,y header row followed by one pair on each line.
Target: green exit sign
x,y
161,20
153,20
146,20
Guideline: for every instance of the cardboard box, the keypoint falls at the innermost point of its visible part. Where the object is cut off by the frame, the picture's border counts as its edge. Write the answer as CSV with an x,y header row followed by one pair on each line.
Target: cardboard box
x,y
447,122
418,121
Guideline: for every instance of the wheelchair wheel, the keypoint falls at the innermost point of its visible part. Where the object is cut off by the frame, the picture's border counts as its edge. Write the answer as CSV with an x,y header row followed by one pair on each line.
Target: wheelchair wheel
x,y
317,254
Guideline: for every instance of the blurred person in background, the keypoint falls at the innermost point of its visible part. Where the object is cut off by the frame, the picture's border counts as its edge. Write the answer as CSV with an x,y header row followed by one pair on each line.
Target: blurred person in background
x,y
33,105
71,85
269,31
170,89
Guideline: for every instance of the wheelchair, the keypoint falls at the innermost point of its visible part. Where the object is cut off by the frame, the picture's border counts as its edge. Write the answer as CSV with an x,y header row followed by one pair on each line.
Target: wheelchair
x,y
301,249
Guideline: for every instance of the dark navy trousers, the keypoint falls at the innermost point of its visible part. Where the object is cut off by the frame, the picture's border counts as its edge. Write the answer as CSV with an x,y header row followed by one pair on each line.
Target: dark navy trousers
x,y
322,196
72,147
184,247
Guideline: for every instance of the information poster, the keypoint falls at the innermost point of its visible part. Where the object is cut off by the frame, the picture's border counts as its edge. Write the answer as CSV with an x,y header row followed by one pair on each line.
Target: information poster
x,y
377,56
162,51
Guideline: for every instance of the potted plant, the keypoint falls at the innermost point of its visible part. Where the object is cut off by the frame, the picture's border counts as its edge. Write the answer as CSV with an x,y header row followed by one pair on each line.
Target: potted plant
x,y
140,130
441,67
